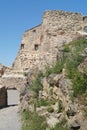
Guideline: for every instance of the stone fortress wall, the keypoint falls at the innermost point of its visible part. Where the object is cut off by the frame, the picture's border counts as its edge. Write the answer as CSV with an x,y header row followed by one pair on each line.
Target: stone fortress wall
x,y
40,45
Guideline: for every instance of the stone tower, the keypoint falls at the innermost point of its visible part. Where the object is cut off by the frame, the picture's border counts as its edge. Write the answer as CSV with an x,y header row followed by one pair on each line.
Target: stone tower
x,y
40,45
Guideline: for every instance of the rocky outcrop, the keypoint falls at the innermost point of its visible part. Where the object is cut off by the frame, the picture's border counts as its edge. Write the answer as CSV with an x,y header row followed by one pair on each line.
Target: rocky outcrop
x,y
57,91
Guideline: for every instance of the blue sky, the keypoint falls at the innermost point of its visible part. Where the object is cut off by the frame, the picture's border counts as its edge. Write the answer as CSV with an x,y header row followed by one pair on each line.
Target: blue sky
x,y
16,16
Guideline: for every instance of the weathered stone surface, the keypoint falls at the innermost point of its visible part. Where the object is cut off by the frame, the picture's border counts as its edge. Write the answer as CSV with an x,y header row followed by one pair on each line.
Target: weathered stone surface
x,y
25,98
51,80
52,121
41,45
42,111
75,125
65,85
57,78
55,90
83,125
14,81
45,84
71,110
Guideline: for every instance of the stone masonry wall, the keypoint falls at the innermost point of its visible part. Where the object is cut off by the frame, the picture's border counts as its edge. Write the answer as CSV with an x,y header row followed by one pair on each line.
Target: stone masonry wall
x,y
14,81
57,21
40,45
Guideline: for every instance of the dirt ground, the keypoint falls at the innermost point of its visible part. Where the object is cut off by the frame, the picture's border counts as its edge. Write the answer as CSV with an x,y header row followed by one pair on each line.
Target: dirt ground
x,y
9,117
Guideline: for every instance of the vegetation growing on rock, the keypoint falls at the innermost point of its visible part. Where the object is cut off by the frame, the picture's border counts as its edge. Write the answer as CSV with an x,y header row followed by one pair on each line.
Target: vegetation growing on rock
x,y
32,121
54,88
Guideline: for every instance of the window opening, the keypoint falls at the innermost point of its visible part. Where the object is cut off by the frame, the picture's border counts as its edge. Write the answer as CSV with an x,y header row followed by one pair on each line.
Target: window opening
x,y
36,47
34,30
22,46
85,28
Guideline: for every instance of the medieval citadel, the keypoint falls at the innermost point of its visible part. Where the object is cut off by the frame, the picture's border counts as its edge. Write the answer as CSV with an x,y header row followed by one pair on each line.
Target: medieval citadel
x,y
41,46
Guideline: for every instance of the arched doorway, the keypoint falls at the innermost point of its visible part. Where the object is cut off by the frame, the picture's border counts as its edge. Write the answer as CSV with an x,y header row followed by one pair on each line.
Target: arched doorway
x,y
12,97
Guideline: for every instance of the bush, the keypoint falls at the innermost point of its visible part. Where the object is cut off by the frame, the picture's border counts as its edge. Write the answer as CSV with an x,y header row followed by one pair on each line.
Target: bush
x,y
60,106
61,126
36,84
79,84
74,59
50,109
33,121
42,102
45,102
25,74
79,80
66,48
26,114
55,69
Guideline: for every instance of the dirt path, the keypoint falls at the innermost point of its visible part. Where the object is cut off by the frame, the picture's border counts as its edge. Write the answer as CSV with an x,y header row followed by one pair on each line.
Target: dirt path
x,y
10,118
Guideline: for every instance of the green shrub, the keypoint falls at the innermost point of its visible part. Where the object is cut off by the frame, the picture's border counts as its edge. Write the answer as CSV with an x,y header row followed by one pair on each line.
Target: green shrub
x,y
66,48
79,80
60,106
56,69
25,74
70,62
50,109
42,102
33,121
45,102
70,69
61,126
26,114
74,59
36,84
80,43
85,112
79,84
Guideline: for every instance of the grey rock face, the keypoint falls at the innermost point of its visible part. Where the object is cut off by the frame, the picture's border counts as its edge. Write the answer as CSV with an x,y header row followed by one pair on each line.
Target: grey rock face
x,y
71,110
75,125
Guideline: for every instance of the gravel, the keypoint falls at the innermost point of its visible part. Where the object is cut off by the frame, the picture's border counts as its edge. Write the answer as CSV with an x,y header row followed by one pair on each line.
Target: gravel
x,y
10,118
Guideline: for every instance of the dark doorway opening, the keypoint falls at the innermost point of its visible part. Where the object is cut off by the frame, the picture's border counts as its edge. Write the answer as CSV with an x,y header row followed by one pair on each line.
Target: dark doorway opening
x,y
36,47
22,46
